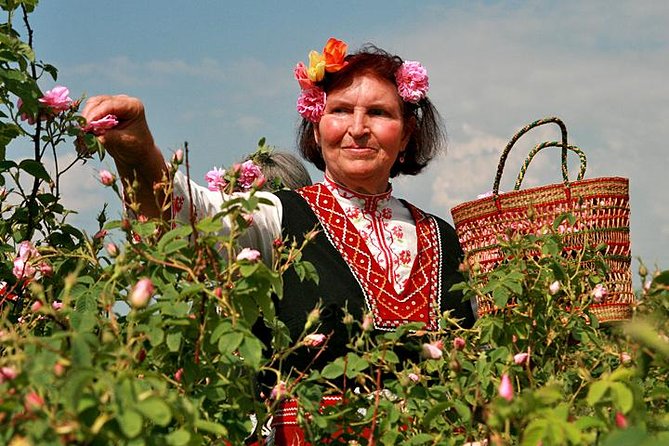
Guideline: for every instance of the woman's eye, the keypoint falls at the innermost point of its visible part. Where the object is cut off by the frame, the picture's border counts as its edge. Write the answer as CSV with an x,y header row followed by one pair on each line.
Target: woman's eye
x,y
377,112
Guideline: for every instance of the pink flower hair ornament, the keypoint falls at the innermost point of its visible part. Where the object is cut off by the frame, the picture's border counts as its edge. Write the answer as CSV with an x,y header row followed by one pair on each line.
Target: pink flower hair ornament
x,y
411,78
412,81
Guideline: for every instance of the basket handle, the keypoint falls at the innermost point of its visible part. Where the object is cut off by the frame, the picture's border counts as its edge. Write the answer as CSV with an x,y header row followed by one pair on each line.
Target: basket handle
x,y
543,145
516,137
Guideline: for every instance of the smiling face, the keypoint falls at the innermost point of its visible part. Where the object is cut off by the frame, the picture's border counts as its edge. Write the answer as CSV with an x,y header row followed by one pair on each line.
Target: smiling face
x,y
361,133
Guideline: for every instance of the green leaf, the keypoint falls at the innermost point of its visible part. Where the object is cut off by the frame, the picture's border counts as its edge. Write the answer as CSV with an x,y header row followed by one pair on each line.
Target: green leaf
x,y
230,341
131,422
334,369
622,396
597,391
211,427
501,296
437,409
251,350
156,410
179,437
35,168
174,341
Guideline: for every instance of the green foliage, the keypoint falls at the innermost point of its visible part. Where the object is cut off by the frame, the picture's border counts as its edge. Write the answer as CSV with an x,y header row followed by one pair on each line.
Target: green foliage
x,y
84,360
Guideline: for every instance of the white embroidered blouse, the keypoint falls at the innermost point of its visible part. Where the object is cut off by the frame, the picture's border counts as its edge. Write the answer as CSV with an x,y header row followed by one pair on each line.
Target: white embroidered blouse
x,y
384,223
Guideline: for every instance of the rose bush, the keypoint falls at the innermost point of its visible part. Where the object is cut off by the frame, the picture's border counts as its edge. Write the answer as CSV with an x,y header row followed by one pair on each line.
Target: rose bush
x,y
143,333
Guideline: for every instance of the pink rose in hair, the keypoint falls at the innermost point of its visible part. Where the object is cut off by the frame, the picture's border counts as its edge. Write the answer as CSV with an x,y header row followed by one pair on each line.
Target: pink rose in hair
x,y
216,179
249,173
100,126
311,104
412,81
302,76
57,98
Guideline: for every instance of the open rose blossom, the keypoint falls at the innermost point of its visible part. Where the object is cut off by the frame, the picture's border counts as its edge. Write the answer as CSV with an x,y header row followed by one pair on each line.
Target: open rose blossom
x,y
314,340
215,179
57,98
23,268
311,104
334,52
141,293
248,254
100,126
316,70
249,175
599,293
433,350
412,81
554,287
506,388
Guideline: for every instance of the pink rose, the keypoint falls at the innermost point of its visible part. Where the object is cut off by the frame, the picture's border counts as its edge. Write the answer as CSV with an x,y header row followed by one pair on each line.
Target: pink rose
x,y
314,340
106,177
178,375
621,421
57,98
311,104
368,323
178,157
520,358
112,249
100,126
459,343
23,270
216,179
599,293
36,306
279,391
248,254
57,306
33,402
412,81
413,377
433,350
141,293
249,172
302,77
554,287
506,388
7,373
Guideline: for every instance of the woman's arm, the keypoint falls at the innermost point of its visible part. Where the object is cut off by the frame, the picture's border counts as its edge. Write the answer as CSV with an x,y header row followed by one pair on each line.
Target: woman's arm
x,y
131,145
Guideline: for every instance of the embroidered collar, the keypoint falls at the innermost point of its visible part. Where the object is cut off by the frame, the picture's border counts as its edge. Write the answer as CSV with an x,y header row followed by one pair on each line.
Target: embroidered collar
x,y
365,202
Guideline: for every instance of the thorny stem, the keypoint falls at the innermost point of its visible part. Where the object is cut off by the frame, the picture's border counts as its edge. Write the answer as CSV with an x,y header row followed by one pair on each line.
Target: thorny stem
x,y
36,139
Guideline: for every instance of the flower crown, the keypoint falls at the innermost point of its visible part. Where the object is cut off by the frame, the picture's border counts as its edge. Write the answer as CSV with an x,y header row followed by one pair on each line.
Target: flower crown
x,y
411,78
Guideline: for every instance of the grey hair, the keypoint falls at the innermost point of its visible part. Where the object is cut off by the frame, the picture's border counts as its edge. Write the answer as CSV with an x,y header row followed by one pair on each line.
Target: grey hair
x,y
282,170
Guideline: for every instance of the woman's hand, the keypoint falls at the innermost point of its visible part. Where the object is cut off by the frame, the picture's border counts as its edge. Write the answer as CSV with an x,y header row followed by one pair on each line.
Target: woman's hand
x,y
130,142
131,145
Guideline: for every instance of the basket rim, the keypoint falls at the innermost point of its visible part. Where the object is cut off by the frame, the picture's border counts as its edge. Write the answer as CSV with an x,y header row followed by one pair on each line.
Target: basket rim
x,y
620,180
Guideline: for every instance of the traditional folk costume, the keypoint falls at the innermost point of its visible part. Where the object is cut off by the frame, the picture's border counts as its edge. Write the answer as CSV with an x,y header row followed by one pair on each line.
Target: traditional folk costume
x,y
373,253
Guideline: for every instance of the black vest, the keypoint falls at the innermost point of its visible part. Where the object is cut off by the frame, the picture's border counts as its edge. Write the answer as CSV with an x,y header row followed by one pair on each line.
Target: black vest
x,y
337,288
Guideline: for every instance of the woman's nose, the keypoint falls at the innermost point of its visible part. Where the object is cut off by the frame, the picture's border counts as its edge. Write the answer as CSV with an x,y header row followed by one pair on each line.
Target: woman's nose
x,y
359,125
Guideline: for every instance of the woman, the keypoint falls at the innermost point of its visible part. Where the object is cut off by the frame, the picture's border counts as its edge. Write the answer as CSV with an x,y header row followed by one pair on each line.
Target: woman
x,y
366,118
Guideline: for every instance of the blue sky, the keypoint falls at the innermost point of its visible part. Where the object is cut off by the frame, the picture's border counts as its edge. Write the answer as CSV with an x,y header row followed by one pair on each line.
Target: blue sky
x,y
219,75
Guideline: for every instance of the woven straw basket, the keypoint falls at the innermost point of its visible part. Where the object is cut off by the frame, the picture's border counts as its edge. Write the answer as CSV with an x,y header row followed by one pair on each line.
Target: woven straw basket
x,y
600,205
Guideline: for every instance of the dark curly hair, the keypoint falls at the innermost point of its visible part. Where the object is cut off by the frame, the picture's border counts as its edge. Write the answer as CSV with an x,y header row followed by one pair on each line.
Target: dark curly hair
x,y
428,136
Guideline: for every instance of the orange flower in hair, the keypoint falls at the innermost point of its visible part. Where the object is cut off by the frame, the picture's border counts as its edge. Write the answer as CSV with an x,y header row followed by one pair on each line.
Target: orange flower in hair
x,y
334,52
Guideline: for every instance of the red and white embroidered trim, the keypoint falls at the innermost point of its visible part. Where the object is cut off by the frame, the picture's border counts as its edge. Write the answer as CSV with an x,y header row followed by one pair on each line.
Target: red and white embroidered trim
x,y
420,299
